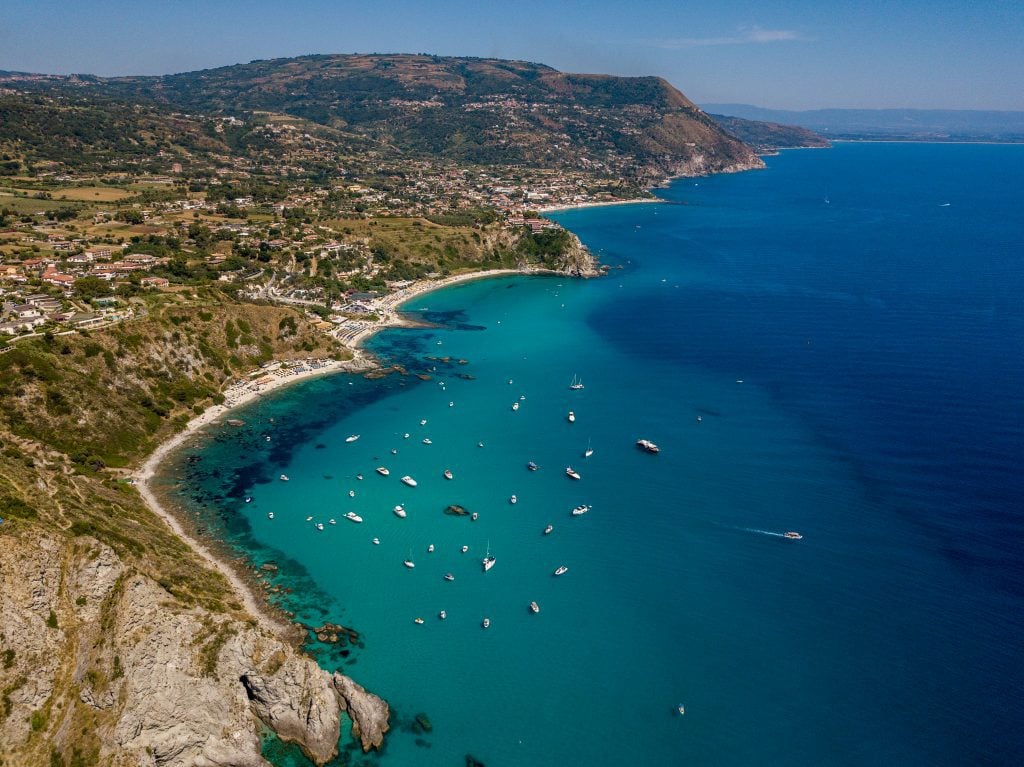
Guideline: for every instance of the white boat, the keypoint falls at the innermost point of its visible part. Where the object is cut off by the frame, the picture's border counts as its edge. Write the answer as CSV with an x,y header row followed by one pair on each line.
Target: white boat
x,y
465,549
405,436
793,536
383,471
589,451
449,577
474,516
309,519
376,541
571,473
571,417
513,500
394,451
418,620
442,615
399,511
359,476
681,709
534,607
451,404
515,405
409,563
548,529
319,525
580,510
576,384
284,477
352,517
562,570
426,441
532,466
248,499
488,561
332,521
409,481
486,622
647,446
270,515
351,437
351,493
423,422
430,549
448,474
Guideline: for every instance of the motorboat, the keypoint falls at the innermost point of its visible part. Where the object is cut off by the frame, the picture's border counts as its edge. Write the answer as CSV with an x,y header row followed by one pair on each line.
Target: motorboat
x,y
571,473
681,709
515,405
465,549
571,417
351,437
442,615
427,441
474,517
430,549
792,535
309,519
409,481
448,474
399,511
284,477
449,577
532,466
580,510
418,620
513,500
332,521
383,471
405,436
451,404
534,607
423,422
409,563
486,622
376,541
248,499
319,525
394,451
352,517
548,529
647,446
562,570
479,444
270,515
351,493
359,476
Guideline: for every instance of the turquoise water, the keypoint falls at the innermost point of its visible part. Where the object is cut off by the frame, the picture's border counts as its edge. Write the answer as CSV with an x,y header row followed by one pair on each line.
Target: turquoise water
x,y
832,345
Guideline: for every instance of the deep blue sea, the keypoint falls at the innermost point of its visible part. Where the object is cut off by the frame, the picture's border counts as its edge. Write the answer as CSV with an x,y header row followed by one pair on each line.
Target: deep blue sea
x,y
833,345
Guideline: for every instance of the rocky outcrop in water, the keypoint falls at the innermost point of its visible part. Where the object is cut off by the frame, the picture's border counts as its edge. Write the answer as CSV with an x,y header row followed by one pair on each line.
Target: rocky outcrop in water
x,y
369,713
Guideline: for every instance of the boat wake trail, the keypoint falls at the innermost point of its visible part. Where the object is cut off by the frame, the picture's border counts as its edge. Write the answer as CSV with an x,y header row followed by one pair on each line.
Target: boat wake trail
x,y
760,532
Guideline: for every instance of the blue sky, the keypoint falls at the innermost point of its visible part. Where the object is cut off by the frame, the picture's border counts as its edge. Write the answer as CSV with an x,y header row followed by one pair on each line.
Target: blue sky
x,y
788,55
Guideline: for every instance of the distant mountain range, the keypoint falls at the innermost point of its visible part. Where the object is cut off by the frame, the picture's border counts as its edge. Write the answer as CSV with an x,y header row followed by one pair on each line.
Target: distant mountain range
x,y
905,124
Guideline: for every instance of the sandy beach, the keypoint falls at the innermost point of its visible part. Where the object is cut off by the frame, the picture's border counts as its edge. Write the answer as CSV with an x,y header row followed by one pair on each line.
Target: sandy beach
x,y
271,378
581,205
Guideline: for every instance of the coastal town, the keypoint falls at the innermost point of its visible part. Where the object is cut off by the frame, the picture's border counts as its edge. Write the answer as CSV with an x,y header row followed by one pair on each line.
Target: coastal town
x,y
70,263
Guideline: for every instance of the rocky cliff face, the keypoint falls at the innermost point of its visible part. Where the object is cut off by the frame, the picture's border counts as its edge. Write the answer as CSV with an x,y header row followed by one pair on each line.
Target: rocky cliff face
x,y
98,659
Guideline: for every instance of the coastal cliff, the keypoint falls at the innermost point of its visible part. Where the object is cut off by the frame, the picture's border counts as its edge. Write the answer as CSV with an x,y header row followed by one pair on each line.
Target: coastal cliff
x,y
115,669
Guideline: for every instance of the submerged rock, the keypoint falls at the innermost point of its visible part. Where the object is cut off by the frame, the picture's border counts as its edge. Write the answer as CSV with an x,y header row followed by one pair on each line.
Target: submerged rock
x,y
424,722
456,510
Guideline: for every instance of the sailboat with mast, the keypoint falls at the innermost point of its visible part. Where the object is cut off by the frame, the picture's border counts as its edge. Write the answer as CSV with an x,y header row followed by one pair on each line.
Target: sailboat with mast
x,y
576,384
589,451
488,561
